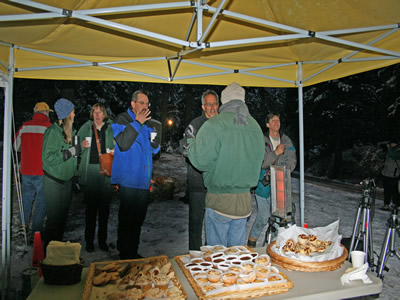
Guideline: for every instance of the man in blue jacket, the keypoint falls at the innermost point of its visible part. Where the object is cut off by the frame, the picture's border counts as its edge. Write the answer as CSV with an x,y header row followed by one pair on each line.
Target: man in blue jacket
x,y
132,170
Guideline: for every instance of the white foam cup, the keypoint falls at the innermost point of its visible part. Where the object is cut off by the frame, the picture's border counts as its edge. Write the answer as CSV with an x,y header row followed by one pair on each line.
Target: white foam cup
x,y
89,139
357,258
153,136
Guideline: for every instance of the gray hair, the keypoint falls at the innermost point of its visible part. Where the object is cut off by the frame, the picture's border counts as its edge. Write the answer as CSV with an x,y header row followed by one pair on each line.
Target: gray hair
x,y
136,93
271,115
209,92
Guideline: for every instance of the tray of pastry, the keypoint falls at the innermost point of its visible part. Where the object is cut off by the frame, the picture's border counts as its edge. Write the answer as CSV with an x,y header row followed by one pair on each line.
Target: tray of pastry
x,y
237,272
146,278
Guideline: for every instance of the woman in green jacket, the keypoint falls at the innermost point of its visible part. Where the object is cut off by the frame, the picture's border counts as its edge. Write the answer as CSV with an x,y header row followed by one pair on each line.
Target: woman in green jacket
x,y
59,156
97,187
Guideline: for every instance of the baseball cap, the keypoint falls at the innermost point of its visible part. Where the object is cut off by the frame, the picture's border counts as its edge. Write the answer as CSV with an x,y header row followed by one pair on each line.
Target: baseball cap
x,y
41,106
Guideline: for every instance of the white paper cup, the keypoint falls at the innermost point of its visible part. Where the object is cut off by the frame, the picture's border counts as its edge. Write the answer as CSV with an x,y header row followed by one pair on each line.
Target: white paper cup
x,y
153,136
357,258
89,139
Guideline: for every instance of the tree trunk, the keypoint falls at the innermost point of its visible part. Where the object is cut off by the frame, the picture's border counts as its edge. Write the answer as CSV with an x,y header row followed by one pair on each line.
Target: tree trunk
x,y
164,113
337,158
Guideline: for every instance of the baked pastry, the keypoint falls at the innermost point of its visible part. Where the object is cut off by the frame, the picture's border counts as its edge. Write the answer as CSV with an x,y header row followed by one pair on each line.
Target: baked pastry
x,y
153,293
261,271
202,280
248,266
232,251
236,269
291,244
161,281
218,248
134,294
208,287
117,296
248,276
229,277
263,260
174,292
214,275
302,239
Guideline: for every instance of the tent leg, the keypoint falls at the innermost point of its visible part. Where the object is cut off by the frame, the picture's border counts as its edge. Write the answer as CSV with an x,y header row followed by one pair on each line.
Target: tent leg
x,y
301,140
6,188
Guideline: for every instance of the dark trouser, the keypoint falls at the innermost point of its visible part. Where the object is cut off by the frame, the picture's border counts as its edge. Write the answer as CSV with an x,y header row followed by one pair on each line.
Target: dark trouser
x,y
131,215
391,190
98,193
58,197
196,217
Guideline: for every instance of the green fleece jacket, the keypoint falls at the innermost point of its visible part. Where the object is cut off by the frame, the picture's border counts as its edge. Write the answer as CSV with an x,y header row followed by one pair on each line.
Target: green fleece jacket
x,y
87,131
52,157
230,155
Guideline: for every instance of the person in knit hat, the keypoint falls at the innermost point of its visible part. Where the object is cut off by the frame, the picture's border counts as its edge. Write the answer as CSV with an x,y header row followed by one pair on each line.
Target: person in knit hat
x,y
60,156
28,141
229,150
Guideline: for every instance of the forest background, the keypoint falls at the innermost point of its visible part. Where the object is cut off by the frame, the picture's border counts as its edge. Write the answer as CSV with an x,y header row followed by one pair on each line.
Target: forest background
x,y
345,120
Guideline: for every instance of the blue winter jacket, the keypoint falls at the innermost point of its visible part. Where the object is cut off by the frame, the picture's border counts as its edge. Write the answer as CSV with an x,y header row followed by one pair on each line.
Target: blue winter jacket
x,y
133,161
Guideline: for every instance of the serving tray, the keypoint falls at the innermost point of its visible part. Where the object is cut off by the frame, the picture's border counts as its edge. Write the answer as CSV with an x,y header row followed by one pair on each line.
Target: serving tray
x,y
92,292
235,291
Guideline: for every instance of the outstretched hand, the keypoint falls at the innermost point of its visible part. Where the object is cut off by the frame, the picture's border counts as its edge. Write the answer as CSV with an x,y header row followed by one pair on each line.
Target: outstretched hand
x,y
143,116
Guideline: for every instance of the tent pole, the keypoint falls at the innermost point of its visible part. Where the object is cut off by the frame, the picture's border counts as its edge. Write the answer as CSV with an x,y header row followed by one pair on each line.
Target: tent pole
x,y
6,188
301,139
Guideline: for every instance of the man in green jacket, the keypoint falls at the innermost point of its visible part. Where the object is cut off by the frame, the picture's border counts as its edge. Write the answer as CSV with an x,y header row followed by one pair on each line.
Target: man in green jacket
x,y
229,149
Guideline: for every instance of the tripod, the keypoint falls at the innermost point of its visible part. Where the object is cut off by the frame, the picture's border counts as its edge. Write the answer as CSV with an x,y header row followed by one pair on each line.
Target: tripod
x,y
282,222
363,224
389,242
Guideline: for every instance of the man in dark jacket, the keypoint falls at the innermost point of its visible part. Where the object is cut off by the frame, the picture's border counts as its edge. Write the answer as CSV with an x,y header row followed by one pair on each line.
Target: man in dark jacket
x,y
132,170
391,175
196,190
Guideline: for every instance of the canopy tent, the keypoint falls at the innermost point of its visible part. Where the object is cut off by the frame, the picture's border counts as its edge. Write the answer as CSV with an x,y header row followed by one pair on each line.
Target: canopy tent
x,y
269,43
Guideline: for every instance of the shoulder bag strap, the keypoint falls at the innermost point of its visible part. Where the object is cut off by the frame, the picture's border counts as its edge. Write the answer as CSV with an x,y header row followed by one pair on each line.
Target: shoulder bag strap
x,y
97,138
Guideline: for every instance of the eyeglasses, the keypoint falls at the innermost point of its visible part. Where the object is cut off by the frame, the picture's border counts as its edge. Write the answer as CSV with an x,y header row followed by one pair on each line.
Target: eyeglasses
x,y
211,104
148,104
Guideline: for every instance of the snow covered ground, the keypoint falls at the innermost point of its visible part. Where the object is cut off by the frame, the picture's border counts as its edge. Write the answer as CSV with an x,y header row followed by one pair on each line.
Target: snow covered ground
x,y
165,228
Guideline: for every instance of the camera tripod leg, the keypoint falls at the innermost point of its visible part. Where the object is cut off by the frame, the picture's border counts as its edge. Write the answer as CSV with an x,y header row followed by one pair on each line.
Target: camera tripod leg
x,y
368,249
271,229
356,229
384,251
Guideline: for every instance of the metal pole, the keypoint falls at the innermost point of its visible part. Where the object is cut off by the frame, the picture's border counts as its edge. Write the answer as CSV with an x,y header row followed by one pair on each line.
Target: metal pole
x,y
301,140
6,188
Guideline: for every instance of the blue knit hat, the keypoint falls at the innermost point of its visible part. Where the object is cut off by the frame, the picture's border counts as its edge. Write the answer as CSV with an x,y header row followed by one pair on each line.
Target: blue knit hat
x,y
63,108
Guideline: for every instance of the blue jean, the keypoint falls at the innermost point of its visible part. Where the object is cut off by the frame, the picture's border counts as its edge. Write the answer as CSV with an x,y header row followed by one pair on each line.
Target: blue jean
x,y
32,190
263,214
221,230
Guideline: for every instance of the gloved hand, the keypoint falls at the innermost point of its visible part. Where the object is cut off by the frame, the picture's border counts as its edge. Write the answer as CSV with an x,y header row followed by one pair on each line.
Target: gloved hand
x,y
190,132
72,151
